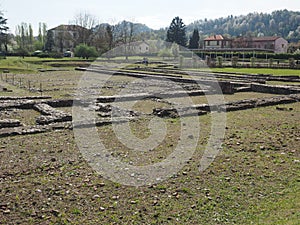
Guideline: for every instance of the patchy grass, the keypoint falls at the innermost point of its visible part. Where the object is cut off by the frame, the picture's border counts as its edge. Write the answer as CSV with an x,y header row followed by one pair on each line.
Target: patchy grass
x,y
17,65
254,180
44,178
281,72
21,65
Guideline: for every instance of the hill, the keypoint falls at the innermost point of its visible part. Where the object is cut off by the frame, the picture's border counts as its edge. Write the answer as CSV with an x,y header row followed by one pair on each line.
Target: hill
x,y
283,23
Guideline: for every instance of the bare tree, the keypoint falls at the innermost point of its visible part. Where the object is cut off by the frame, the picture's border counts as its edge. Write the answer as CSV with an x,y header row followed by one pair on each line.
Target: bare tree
x,y
102,38
124,35
85,22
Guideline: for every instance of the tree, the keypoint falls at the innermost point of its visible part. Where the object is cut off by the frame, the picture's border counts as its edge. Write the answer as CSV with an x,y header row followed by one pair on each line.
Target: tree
x,y
102,38
110,37
85,22
3,32
42,34
124,34
85,51
49,41
24,37
194,40
177,32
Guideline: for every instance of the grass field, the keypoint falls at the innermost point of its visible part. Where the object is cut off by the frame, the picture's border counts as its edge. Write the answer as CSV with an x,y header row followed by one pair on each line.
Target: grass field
x,y
255,178
280,72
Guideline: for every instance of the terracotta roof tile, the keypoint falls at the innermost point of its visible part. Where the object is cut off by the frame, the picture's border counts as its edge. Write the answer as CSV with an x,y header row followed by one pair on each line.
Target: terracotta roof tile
x,y
267,38
217,37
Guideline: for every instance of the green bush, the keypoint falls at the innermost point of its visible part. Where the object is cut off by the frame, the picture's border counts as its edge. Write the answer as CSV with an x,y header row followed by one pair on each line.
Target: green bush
x,y
165,53
234,61
55,55
85,51
220,61
292,62
252,61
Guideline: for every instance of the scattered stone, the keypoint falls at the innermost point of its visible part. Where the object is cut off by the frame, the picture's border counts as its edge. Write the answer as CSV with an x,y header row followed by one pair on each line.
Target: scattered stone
x,y
228,179
262,148
55,212
101,184
96,196
155,202
115,197
6,211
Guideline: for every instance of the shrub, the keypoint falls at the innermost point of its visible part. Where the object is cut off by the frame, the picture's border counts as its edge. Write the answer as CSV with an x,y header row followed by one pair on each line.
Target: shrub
x,y
234,61
252,60
292,62
85,51
165,53
220,61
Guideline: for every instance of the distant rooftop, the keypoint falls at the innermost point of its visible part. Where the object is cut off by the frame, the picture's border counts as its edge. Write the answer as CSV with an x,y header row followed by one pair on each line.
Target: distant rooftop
x,y
67,27
267,38
217,37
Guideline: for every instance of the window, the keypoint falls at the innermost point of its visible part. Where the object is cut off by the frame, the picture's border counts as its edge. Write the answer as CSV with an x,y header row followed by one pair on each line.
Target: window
x,y
218,43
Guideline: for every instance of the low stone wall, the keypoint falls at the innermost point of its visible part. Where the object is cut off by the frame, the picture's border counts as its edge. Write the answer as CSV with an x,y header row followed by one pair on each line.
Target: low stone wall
x,y
60,103
230,106
9,123
274,89
24,98
17,104
6,132
140,96
50,114
29,102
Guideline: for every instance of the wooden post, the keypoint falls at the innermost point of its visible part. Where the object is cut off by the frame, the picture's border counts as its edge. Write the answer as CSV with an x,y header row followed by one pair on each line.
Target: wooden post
x,y
41,89
29,85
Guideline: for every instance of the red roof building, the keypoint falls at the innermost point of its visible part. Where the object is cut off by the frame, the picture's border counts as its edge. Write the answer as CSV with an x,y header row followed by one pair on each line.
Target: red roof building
x,y
217,42
271,43
274,43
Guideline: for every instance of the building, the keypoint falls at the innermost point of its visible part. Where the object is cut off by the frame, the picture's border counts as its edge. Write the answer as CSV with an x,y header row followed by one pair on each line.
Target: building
x,y
140,47
66,37
271,44
274,43
217,42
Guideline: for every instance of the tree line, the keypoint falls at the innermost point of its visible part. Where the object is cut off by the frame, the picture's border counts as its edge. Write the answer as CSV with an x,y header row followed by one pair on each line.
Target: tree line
x,y
283,23
100,37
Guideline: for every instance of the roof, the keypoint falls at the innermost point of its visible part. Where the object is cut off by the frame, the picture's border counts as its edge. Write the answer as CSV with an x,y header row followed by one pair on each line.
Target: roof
x,y
139,43
217,37
267,38
68,27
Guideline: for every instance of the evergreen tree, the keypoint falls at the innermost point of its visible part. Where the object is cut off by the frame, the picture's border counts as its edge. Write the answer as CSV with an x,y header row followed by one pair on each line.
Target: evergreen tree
x,y
49,41
194,40
176,32
109,34
3,32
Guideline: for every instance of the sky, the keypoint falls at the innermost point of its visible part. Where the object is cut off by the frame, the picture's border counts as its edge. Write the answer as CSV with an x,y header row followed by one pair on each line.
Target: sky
x,y
154,13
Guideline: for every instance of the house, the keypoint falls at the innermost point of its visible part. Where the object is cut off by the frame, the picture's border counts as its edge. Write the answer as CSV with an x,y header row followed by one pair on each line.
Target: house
x,y
217,42
140,47
66,37
274,43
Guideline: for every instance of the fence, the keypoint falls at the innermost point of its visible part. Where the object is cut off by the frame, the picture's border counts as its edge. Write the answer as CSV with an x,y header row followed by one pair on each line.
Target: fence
x,y
21,82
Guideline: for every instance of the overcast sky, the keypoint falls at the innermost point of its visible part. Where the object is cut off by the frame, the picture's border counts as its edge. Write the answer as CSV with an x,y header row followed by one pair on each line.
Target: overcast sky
x,y
154,13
